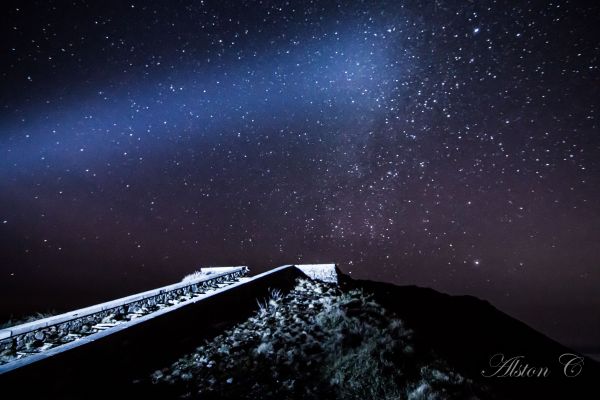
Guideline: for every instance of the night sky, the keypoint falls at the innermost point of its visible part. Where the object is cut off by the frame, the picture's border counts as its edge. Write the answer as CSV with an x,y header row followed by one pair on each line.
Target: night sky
x,y
449,144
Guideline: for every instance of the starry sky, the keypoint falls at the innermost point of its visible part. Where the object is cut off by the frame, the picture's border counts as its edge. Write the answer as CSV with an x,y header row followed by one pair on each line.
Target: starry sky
x,y
448,144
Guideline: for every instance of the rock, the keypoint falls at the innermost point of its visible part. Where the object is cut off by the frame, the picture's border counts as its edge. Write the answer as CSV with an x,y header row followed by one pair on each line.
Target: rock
x,y
109,319
157,375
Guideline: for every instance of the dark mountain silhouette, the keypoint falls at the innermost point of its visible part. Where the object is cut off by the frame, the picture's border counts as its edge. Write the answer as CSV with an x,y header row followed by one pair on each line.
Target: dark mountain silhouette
x,y
467,332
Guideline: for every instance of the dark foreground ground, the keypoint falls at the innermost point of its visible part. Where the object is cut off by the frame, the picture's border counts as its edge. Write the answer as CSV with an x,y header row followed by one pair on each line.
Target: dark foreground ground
x,y
310,340
317,342
376,341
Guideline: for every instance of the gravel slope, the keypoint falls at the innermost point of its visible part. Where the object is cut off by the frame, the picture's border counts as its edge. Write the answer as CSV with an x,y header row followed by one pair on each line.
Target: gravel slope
x,y
316,342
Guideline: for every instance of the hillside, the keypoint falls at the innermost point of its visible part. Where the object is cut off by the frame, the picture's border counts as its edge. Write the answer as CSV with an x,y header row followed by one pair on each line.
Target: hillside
x,y
369,340
316,342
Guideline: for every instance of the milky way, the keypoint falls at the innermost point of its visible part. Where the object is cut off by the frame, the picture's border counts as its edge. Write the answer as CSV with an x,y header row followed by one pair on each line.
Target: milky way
x,y
447,144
